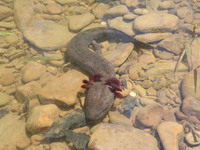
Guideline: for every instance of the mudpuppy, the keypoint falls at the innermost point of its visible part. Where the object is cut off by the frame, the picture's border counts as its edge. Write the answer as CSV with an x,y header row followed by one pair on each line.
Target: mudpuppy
x,y
103,87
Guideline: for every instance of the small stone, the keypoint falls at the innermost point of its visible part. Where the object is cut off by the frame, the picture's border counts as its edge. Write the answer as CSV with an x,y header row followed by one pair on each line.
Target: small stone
x,y
7,79
151,91
160,82
36,139
117,118
193,139
5,12
152,37
29,90
191,106
12,130
119,54
29,74
139,11
162,96
4,99
139,90
23,144
118,10
166,66
190,86
173,44
68,2
162,54
147,84
130,3
8,25
41,117
129,138
169,115
78,22
59,146
11,39
168,132
147,101
120,24
151,115
181,115
166,5
160,21
66,95
100,10
41,35
130,16
182,12
54,9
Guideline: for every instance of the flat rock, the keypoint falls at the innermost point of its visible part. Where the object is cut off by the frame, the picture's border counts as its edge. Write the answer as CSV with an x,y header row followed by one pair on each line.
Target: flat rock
x,y
118,137
168,132
41,117
152,37
130,3
54,9
118,10
78,22
68,2
5,12
63,90
117,118
166,4
4,99
156,21
100,10
119,54
190,85
8,25
12,130
8,78
173,44
47,35
164,67
59,146
150,115
120,24
29,90
182,12
30,75
191,106
22,7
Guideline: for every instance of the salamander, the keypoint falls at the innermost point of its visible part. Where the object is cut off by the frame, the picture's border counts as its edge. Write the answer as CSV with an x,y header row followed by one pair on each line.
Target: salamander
x,y
101,90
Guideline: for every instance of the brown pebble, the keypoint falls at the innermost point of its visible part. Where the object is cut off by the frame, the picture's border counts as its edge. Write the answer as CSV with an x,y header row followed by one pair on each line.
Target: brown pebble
x,y
181,115
23,144
36,139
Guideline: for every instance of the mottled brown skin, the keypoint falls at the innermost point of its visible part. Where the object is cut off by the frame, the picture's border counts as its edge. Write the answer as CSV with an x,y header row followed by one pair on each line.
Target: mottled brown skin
x,y
99,97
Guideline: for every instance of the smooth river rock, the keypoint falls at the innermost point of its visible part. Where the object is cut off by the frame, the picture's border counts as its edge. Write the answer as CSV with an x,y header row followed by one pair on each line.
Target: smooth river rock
x,y
156,22
63,90
119,137
168,132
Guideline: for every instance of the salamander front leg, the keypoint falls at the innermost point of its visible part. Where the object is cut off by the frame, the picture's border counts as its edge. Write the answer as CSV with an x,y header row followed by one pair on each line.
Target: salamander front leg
x,y
96,46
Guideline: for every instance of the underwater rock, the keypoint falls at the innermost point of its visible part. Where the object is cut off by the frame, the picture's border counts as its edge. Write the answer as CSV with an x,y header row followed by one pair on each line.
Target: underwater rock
x,y
120,137
155,22
168,132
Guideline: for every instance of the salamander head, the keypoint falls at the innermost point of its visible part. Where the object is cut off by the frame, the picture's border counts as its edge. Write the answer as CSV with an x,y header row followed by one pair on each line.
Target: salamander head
x,y
100,97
